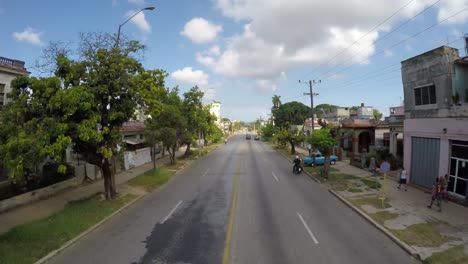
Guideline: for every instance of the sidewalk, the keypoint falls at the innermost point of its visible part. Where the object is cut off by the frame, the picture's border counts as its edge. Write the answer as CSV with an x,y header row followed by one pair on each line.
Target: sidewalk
x,y
426,231
406,216
56,203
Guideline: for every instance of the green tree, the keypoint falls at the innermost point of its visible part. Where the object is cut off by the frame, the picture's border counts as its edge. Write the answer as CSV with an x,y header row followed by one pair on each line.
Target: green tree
x,y
192,109
321,109
292,113
323,140
276,100
377,115
268,131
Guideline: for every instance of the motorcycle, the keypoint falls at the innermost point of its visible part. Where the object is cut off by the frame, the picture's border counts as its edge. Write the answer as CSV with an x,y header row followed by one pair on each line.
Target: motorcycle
x,y
297,169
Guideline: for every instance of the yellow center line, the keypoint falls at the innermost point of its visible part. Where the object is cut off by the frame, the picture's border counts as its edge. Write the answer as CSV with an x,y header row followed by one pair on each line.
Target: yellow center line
x,y
227,243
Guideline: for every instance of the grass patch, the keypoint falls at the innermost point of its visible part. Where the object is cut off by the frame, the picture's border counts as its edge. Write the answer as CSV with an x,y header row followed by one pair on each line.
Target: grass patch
x,y
370,200
454,255
354,190
341,177
423,235
373,184
383,216
30,242
153,178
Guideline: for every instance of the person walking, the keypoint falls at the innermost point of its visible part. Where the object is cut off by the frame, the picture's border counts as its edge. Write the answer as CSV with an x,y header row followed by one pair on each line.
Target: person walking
x,y
403,178
436,194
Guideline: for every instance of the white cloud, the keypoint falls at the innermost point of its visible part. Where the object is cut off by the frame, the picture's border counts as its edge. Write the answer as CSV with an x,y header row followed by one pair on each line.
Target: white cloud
x,y
449,8
279,35
388,53
138,2
200,31
140,21
29,35
190,77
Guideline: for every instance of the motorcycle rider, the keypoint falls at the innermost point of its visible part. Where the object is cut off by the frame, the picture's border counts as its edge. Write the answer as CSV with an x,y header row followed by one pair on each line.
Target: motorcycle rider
x,y
297,164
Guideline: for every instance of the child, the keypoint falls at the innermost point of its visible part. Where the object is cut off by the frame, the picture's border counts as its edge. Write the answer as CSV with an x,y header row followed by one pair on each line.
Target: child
x,y
436,194
402,178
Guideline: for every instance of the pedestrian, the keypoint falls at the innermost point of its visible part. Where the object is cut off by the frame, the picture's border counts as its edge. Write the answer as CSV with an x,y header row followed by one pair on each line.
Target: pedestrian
x,y
403,178
309,148
436,194
444,184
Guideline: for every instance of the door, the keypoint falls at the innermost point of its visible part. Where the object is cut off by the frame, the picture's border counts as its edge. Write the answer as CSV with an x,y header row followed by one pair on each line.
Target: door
x,y
458,175
425,154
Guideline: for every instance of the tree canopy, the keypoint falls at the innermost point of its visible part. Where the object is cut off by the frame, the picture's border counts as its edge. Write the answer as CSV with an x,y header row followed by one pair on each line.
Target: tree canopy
x,y
291,113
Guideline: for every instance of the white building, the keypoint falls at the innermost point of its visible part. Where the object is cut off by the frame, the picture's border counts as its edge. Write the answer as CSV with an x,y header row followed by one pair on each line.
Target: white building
x,y
216,111
9,70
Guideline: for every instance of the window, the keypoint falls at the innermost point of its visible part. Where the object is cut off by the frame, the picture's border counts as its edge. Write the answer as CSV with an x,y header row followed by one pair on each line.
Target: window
x,y
425,95
2,95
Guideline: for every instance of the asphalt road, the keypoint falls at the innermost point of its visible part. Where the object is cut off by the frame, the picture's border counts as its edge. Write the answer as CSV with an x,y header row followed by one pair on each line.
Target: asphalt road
x,y
239,204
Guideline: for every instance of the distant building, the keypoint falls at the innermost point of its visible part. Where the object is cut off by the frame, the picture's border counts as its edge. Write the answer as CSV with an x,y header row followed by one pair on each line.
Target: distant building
x,y
216,111
9,70
365,112
436,118
336,115
395,135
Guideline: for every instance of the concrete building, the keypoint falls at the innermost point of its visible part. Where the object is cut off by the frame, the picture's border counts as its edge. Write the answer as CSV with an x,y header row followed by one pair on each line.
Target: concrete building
x,y
337,115
395,135
216,111
436,119
9,70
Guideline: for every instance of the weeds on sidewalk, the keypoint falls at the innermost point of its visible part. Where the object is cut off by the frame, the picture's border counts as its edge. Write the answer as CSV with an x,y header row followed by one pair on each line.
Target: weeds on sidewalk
x,y
383,216
370,200
454,255
373,184
152,178
423,235
30,242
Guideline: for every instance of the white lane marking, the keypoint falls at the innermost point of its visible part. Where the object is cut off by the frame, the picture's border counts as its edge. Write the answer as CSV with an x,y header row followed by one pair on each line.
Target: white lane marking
x,y
276,178
204,174
307,227
171,212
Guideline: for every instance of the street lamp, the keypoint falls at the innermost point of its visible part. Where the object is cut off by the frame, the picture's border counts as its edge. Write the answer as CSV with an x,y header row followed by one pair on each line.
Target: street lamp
x,y
120,26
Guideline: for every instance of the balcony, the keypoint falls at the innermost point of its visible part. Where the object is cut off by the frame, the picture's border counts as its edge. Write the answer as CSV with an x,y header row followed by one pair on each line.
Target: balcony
x,y
13,64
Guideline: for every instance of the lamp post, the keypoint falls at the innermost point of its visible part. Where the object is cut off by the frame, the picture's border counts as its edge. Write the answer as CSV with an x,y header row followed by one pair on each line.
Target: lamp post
x,y
120,26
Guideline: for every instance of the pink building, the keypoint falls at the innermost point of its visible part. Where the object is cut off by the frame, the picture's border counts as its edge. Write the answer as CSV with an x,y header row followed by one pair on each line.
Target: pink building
x,y
436,119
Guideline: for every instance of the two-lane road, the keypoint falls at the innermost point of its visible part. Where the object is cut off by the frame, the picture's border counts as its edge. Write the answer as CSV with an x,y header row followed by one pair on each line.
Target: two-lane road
x,y
239,204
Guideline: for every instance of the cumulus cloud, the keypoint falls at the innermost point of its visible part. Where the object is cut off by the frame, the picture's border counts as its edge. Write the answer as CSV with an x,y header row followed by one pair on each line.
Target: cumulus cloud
x,y
280,35
190,77
200,31
139,20
29,35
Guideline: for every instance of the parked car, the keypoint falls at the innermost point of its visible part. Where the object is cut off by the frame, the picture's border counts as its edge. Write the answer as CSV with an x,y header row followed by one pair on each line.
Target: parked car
x,y
247,136
257,137
319,159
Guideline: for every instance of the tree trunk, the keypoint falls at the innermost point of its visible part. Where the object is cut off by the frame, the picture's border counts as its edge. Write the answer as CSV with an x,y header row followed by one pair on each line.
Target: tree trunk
x,y
326,165
173,154
109,184
187,150
170,155
154,157
293,147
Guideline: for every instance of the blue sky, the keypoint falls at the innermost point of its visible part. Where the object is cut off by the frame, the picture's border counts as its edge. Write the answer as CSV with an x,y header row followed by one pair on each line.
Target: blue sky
x,y
243,52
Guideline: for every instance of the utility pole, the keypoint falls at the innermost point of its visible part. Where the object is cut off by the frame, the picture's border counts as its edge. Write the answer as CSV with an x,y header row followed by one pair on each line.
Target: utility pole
x,y
312,94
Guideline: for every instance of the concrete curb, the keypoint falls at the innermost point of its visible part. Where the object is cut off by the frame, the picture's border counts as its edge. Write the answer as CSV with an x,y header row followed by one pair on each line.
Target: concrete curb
x,y
395,239
87,231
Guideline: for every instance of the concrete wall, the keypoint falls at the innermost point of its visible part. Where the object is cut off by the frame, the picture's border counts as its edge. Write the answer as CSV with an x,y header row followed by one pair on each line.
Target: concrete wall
x,y
35,195
457,129
136,158
460,82
433,67
6,78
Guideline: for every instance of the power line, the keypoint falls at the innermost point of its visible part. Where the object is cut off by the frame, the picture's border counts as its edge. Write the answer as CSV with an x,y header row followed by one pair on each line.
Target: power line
x,y
363,36
396,44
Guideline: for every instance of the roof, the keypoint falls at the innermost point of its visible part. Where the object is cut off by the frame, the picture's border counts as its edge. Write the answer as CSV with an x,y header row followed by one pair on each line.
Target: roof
x,y
132,126
134,141
463,61
12,66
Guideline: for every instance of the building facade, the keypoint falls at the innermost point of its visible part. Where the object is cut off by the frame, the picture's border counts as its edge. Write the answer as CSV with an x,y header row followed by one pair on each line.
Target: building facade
x,y
215,110
436,119
9,70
